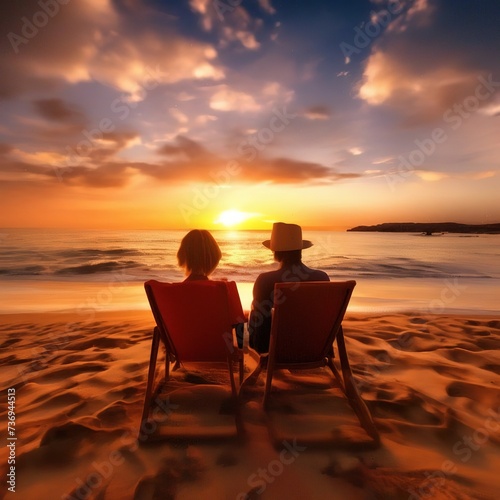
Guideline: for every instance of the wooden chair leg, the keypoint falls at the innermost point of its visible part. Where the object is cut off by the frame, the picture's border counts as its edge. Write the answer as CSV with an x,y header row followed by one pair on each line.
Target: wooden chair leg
x,y
336,373
350,387
351,391
237,409
151,375
231,376
167,365
269,383
241,366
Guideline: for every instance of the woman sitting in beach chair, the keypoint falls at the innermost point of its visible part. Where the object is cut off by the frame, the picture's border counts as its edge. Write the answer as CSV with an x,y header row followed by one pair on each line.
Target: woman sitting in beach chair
x,y
199,254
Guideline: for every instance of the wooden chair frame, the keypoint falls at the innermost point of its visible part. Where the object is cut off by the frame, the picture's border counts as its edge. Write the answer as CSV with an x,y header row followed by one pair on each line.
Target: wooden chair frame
x,y
161,335
271,361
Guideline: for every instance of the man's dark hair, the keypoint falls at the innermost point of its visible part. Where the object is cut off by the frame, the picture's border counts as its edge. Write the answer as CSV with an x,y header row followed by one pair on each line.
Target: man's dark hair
x,y
289,257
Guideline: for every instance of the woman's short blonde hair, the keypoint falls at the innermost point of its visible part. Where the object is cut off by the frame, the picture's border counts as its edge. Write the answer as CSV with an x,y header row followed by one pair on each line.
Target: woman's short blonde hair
x,y
199,253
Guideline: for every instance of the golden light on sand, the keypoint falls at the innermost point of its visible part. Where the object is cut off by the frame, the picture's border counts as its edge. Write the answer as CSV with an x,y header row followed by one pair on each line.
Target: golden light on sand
x,y
232,217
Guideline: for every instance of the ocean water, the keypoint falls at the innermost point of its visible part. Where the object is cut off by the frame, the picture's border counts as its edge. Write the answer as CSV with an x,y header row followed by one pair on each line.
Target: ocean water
x,y
40,269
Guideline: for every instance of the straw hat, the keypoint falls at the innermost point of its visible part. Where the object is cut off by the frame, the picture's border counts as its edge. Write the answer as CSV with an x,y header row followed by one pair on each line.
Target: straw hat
x,y
286,237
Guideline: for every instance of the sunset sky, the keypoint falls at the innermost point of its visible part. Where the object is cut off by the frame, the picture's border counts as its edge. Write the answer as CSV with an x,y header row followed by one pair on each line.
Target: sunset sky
x,y
227,113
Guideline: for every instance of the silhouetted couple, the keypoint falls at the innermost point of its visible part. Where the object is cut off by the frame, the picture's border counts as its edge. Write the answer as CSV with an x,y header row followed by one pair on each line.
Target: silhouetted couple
x,y
199,254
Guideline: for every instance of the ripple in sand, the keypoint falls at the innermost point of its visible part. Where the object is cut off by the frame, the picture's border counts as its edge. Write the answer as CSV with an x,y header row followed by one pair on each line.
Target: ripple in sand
x,y
482,333
410,410
127,393
380,355
12,359
8,343
100,343
451,371
114,414
133,367
74,433
403,343
461,355
363,338
91,356
472,322
67,398
70,431
50,407
468,346
398,401
487,396
418,321
488,344
495,368
70,371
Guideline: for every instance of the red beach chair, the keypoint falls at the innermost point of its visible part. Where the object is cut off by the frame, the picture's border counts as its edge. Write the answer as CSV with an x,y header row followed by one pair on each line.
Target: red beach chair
x,y
194,320
307,320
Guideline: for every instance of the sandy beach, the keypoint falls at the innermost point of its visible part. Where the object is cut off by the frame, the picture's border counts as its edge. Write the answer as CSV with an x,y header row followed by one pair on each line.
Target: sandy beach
x,y
431,383
253,142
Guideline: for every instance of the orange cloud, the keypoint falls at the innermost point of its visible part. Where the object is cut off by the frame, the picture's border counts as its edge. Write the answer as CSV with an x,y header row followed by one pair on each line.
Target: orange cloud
x,y
232,22
181,160
419,95
226,99
94,51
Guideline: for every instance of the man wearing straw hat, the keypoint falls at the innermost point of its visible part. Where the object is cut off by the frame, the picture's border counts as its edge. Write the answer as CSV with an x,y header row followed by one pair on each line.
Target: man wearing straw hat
x,y
287,244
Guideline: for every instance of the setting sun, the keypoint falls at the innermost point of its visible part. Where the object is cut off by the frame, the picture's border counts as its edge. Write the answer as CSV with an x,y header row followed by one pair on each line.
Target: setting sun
x,y
231,218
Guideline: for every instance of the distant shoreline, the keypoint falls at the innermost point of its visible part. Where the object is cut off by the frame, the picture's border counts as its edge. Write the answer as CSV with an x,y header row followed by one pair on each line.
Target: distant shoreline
x,y
430,228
